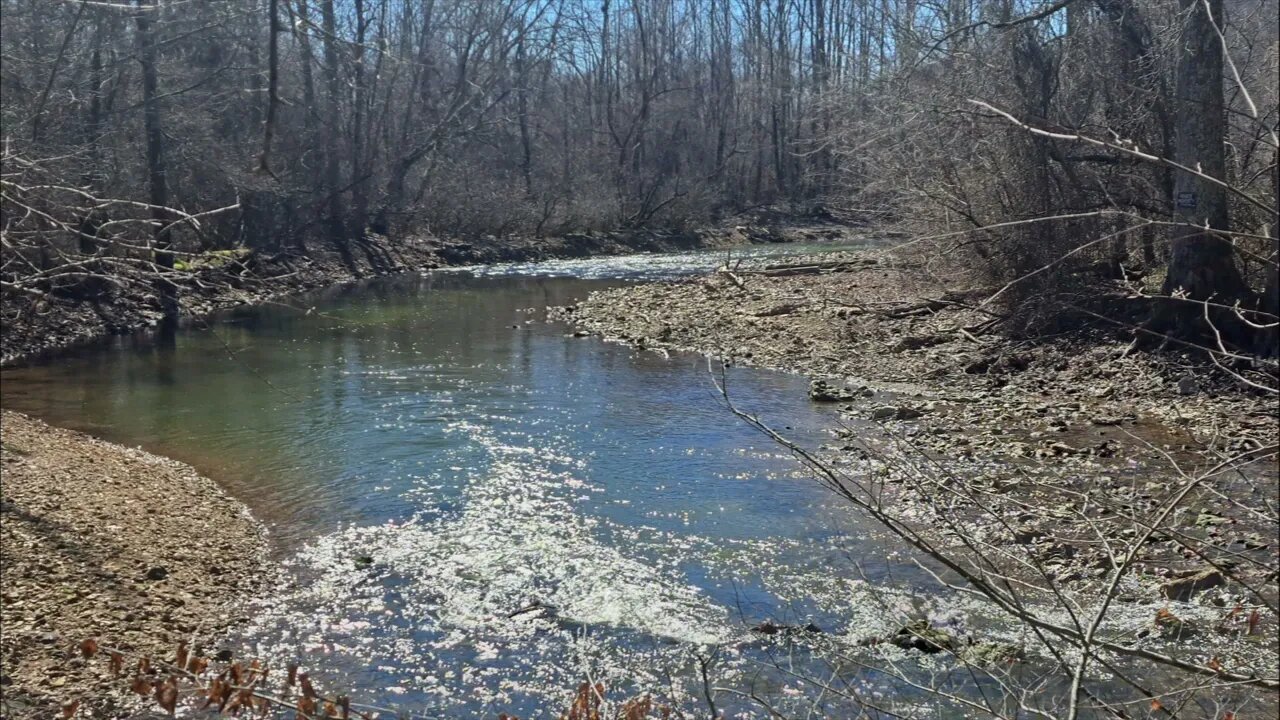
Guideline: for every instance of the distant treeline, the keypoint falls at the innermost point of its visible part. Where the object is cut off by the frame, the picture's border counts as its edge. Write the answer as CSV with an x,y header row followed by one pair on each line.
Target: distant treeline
x,y
282,123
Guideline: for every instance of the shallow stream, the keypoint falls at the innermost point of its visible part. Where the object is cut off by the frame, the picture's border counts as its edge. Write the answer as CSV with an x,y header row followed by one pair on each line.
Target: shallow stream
x,y
476,511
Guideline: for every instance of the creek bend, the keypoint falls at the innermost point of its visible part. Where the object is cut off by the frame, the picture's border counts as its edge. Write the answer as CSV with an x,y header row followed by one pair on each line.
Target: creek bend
x,y
476,510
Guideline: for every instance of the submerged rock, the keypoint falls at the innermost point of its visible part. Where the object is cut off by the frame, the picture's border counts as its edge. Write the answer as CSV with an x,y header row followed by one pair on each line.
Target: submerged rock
x,y
923,636
769,627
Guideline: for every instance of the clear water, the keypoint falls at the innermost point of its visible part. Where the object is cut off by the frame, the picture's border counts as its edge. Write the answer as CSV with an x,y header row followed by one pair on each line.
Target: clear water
x,y
476,511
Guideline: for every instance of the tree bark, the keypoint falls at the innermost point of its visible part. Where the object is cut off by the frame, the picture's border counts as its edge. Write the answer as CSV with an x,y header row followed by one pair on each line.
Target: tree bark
x,y
332,166
156,171
1202,263
273,85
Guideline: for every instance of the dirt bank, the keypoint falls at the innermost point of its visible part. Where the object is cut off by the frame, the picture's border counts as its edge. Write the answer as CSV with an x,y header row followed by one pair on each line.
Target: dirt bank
x,y
87,309
1016,430
104,540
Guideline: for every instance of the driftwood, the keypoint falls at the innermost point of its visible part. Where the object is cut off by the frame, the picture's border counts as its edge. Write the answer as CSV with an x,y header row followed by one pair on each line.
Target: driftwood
x,y
809,268
733,278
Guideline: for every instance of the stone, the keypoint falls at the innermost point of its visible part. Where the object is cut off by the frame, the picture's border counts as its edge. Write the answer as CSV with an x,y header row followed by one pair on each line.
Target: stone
x,y
1185,588
1187,385
895,412
829,391
923,636
990,654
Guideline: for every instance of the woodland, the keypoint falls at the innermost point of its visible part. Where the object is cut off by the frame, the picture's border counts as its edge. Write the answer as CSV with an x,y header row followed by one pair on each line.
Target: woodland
x,y
1075,214
1061,140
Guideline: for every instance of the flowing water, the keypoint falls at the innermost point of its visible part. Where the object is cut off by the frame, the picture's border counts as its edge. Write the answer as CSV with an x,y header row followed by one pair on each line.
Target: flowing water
x,y
476,511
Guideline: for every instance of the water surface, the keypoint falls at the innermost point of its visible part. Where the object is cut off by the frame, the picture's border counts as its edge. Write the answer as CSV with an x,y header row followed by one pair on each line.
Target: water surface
x,y
478,511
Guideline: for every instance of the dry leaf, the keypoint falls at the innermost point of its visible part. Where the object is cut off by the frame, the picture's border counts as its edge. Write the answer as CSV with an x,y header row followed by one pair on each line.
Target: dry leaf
x,y
308,690
213,693
167,695
88,648
141,686
69,710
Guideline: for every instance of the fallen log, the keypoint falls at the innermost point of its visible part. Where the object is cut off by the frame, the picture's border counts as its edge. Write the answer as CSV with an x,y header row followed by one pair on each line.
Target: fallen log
x,y
808,269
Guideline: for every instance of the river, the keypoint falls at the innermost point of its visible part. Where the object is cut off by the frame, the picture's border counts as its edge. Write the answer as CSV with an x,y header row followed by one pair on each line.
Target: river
x,y
476,510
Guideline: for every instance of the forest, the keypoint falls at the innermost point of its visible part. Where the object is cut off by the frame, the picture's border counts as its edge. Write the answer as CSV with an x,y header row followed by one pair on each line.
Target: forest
x,y
1023,253
1029,130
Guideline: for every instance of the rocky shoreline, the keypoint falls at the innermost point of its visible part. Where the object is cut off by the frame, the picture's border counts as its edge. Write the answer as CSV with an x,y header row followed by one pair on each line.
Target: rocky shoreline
x,y
1019,431
100,540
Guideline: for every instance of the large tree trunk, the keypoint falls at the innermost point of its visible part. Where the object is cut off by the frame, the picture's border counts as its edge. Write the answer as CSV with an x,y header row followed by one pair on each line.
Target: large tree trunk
x,y
273,84
1202,263
156,172
332,168
360,171
1269,340
93,140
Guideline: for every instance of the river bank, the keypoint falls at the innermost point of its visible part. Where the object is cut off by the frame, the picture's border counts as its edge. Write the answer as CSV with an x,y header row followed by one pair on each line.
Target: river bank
x,y
41,324
1022,435
100,540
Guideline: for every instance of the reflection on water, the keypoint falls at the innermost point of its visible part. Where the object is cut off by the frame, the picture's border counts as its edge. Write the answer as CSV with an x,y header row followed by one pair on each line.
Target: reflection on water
x,y
475,509
476,512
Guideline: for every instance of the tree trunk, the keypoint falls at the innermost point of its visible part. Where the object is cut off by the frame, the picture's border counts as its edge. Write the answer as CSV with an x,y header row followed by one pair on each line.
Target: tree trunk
x,y
359,172
332,168
1269,340
93,139
1202,263
273,85
156,171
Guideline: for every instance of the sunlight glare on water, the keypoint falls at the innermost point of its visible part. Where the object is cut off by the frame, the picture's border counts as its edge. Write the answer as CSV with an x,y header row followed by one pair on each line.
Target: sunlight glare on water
x,y
476,513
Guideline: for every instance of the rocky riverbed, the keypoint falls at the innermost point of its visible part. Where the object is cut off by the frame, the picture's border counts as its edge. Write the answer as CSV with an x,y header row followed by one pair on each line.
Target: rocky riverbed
x,y
1040,452
105,541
